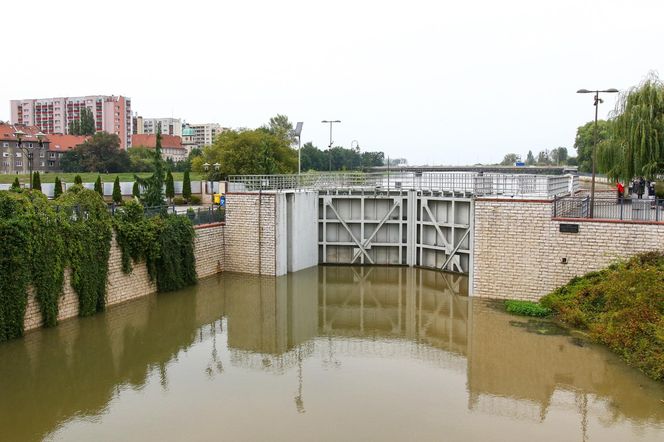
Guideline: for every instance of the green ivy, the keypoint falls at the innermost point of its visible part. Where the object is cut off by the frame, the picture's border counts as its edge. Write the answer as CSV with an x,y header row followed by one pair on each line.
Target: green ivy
x,y
164,243
88,236
41,238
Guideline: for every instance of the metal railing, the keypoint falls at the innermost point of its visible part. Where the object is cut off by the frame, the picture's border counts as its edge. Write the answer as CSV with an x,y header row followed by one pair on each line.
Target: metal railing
x,y
197,215
624,209
509,185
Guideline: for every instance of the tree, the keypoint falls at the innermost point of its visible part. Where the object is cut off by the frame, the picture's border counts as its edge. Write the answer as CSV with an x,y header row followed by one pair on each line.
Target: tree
x,y
186,186
636,144
543,158
85,125
16,185
248,152
140,159
36,181
100,153
136,190
154,185
57,189
530,158
78,179
98,187
559,155
281,126
117,192
509,159
585,139
170,187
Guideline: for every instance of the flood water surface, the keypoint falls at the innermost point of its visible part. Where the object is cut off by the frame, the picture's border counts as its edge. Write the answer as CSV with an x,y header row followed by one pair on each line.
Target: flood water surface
x,y
329,353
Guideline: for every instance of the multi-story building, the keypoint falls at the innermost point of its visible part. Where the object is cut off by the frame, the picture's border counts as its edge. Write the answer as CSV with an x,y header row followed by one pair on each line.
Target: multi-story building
x,y
58,145
169,126
13,160
171,146
204,134
111,113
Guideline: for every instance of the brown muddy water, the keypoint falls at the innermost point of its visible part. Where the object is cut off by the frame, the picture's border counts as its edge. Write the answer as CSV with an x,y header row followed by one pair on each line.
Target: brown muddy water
x,y
329,353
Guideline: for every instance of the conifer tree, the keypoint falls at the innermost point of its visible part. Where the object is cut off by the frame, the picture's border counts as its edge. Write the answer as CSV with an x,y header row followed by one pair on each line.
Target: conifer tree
x,y
117,192
16,185
186,186
36,181
98,187
78,179
136,190
170,187
57,190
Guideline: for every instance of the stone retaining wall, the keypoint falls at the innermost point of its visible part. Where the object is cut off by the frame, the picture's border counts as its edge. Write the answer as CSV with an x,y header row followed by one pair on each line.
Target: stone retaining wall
x,y
519,250
121,287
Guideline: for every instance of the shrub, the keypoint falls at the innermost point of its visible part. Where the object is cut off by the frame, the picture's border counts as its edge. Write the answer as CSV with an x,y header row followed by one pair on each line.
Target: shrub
x,y
526,308
195,199
622,307
659,189
178,200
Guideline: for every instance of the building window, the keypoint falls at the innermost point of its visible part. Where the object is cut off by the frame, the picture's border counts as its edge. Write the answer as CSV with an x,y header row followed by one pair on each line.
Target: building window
x,y
19,154
5,154
51,155
41,163
5,144
51,163
19,163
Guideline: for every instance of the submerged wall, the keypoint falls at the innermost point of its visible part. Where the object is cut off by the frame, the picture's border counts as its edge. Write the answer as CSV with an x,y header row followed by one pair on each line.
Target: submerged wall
x,y
121,287
520,253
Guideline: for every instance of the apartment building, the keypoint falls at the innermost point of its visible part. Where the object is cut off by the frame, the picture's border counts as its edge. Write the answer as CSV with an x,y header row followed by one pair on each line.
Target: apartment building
x,y
111,113
14,160
203,134
169,126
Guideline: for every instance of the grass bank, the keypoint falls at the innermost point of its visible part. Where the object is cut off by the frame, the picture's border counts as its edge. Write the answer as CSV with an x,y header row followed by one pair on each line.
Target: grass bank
x,y
92,177
622,307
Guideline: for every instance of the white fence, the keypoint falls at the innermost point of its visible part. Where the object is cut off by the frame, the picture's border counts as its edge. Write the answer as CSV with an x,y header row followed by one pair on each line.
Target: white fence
x,y
126,187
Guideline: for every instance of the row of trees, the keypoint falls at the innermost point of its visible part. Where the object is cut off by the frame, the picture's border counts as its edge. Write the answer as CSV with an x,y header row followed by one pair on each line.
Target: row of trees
x,y
269,150
555,157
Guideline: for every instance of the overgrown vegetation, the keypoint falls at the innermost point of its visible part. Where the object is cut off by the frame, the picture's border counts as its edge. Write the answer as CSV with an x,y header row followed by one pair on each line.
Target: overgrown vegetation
x,y
526,308
40,238
164,243
622,307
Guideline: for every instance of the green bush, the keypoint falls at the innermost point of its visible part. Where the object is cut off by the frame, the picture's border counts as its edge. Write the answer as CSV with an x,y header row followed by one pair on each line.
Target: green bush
x,y
659,189
526,308
195,199
178,200
621,307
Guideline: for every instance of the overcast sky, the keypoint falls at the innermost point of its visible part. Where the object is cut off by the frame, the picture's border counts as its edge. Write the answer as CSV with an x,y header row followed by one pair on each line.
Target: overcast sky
x,y
435,82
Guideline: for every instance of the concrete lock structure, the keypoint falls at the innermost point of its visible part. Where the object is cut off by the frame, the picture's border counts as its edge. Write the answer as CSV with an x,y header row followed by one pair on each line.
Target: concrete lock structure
x,y
422,219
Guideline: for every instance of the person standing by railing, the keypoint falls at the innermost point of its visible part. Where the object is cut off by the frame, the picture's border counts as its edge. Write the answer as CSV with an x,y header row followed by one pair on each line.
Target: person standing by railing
x,y
621,191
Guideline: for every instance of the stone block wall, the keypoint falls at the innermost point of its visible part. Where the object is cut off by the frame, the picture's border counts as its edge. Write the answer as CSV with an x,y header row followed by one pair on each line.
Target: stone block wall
x,y
519,250
121,287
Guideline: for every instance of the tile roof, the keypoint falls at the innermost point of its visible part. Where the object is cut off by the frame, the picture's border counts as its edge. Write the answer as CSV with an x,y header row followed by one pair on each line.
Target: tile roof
x,y
149,141
60,142
7,132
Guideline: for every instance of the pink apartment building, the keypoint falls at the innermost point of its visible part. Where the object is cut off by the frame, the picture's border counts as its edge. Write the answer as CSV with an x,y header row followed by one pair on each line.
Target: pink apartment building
x,y
112,114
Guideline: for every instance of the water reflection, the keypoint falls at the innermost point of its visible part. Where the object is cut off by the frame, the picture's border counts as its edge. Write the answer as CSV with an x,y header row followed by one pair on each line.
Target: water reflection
x,y
303,328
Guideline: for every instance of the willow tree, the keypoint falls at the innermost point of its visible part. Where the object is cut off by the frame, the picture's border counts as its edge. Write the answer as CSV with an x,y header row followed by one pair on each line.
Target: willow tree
x,y
636,147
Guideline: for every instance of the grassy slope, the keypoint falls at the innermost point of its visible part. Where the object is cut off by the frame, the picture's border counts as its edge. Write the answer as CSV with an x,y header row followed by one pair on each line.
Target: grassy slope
x,y
622,307
92,177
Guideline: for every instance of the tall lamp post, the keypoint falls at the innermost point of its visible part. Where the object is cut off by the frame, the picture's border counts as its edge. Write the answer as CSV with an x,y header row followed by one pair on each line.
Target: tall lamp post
x,y
594,154
329,147
27,150
298,133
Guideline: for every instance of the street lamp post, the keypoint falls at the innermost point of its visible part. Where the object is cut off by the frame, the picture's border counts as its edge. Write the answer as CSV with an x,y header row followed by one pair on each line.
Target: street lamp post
x,y
594,153
329,153
298,134
19,134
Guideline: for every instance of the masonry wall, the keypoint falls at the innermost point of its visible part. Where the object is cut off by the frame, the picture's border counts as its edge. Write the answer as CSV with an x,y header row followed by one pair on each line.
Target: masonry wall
x,y
121,287
250,244
518,250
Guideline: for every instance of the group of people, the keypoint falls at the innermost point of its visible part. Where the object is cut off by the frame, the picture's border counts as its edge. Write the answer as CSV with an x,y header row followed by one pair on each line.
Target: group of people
x,y
638,186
